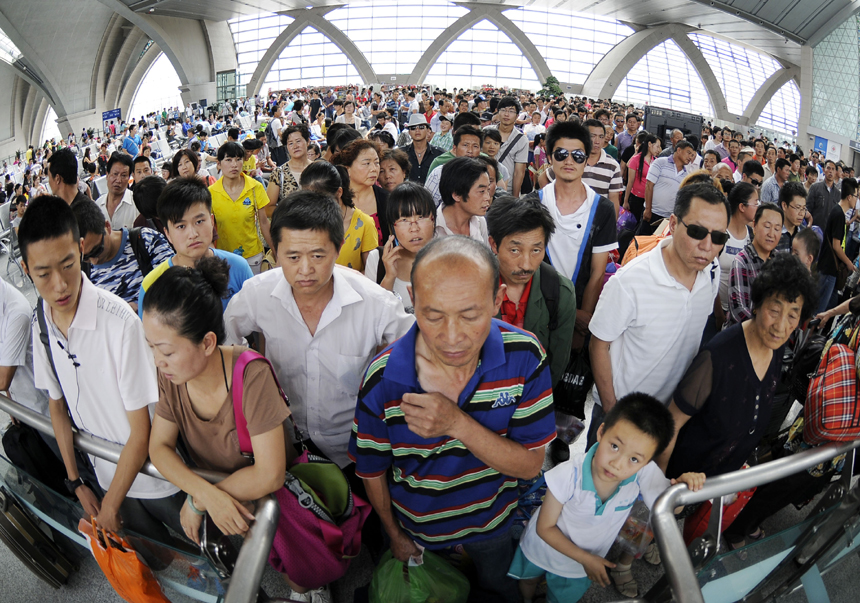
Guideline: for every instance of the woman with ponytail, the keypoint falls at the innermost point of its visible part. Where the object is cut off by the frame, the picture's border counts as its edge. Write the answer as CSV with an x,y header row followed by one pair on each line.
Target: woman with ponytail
x,y
182,317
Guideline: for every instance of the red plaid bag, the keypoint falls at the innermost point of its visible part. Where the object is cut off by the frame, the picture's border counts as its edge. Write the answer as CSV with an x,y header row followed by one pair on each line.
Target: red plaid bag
x,y
832,411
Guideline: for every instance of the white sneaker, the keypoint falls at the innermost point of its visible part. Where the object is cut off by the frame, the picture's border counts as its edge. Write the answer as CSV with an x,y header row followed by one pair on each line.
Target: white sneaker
x,y
318,595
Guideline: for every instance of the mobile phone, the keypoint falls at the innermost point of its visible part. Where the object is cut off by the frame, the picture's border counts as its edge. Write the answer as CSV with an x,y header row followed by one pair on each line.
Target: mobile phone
x,y
396,242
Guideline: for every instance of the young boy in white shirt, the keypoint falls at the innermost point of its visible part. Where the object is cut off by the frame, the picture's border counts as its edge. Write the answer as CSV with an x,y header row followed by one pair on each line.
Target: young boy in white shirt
x,y
588,500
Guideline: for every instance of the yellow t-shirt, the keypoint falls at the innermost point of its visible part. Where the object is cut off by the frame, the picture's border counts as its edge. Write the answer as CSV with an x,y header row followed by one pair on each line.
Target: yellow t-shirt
x,y
236,220
249,165
361,236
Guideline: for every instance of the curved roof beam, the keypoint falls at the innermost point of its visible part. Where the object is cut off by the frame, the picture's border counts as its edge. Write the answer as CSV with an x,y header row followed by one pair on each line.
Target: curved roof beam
x,y
31,57
271,55
763,95
477,13
154,31
712,86
611,70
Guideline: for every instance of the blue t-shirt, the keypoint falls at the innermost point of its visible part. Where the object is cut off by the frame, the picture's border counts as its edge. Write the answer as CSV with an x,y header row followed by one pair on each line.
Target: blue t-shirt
x,y
131,145
240,272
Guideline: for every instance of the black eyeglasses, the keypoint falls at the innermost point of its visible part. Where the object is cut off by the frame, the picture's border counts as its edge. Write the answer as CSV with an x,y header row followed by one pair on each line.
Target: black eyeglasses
x,y
562,154
698,233
96,251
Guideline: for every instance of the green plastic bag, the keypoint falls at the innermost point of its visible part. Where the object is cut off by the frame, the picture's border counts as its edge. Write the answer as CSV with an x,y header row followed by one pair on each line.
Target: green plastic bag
x,y
435,581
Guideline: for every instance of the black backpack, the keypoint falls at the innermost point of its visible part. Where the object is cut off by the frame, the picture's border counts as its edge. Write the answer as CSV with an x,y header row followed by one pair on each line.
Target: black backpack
x,y
271,140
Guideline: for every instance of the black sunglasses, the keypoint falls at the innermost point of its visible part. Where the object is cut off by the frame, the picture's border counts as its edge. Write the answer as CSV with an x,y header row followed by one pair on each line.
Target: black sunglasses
x,y
561,155
755,183
96,251
698,233
422,127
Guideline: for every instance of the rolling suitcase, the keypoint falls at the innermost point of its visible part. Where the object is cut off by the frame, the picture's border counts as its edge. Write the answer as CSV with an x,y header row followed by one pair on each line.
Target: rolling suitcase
x,y
24,537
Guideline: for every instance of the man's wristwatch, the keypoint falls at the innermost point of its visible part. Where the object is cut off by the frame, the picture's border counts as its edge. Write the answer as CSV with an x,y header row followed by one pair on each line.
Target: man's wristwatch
x,y
72,485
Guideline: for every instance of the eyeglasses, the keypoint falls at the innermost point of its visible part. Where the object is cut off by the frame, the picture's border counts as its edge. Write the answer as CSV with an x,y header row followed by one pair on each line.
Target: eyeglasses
x,y
698,233
755,183
409,223
562,154
798,207
422,127
756,204
96,251
508,111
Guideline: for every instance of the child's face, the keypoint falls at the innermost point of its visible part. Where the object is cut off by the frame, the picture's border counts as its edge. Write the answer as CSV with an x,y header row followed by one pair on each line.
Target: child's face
x,y
622,451
192,236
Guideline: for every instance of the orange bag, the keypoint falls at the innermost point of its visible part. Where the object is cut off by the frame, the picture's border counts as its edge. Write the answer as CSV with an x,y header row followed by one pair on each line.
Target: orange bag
x,y
130,577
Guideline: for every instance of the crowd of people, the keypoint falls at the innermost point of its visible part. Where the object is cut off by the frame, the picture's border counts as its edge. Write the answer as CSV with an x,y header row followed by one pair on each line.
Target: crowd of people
x,y
420,269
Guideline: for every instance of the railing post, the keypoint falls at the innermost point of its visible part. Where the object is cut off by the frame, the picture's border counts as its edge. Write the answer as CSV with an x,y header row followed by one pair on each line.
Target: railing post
x,y
245,582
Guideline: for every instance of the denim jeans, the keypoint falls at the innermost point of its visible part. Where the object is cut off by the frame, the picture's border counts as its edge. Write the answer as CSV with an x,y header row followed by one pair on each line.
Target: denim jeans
x,y
492,558
826,284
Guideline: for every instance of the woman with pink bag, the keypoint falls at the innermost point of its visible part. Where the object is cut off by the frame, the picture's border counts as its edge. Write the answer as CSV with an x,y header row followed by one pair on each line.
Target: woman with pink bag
x,y
182,317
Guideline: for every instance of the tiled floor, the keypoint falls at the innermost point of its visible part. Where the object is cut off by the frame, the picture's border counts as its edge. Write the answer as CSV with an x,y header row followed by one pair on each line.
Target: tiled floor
x,y
88,584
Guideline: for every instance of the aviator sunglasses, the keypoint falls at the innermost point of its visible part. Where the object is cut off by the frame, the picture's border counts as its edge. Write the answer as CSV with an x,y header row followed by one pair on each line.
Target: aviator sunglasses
x,y
561,155
698,233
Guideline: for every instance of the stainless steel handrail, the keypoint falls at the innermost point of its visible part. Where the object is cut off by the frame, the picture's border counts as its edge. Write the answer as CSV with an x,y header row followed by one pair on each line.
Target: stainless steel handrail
x,y
676,561
245,583
89,443
251,562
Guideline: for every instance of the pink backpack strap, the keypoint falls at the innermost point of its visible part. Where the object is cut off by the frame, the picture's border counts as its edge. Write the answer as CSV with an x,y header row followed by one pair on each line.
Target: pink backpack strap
x,y
238,388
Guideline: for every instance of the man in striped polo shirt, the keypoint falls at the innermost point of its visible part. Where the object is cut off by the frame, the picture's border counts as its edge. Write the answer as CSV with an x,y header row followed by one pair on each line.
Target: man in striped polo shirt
x,y
452,414
601,171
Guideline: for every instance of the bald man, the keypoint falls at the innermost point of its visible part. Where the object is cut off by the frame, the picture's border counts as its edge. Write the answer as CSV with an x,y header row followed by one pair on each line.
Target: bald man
x,y
457,432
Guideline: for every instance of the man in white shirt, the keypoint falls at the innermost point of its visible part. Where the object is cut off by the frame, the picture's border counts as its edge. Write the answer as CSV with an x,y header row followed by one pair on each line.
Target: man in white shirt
x,y
99,370
118,203
649,320
465,193
16,352
277,125
514,152
322,323
664,178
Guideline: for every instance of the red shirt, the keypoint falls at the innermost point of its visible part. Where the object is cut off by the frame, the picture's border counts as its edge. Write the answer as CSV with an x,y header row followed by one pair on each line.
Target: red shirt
x,y
514,314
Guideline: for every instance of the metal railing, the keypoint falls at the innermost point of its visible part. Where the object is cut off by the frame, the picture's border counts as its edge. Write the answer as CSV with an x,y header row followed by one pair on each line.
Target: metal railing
x,y
676,560
251,562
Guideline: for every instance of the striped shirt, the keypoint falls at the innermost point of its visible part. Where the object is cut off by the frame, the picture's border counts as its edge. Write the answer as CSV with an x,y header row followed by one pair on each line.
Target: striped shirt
x,y
122,275
442,494
604,176
745,268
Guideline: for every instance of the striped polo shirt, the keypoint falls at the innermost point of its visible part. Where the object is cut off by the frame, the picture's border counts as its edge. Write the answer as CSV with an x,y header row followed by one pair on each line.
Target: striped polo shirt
x,y
441,493
604,176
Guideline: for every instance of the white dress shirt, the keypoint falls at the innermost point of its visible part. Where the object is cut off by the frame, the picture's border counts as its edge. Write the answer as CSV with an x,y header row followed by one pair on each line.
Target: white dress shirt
x,y
124,215
321,372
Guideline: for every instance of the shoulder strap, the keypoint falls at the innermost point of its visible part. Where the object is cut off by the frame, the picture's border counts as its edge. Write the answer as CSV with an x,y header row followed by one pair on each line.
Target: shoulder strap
x,y
380,267
550,288
141,253
517,136
237,389
585,237
43,336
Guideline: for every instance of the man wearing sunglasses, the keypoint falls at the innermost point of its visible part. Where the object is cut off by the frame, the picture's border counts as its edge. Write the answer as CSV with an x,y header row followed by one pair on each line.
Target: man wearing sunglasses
x,y
771,186
584,221
752,172
421,154
648,324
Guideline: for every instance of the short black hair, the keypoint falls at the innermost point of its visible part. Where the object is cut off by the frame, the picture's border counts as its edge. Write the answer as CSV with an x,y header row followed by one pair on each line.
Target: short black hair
x,y
140,159
233,133
594,123
790,190
508,216
684,144
409,199
459,133
308,210
64,164
146,193
810,240
458,245
567,129
752,167
717,155
508,101
89,217
768,207
849,187
784,275
493,134
458,177
301,129
230,149
47,217
647,414
178,196
466,118
122,158
706,192
811,170
782,163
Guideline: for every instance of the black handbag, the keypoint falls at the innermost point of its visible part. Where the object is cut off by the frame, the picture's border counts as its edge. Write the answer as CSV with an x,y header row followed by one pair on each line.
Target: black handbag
x,y
572,389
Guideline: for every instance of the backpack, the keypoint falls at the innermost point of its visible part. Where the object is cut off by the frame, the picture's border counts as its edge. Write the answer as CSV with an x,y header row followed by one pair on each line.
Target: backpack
x,y
832,410
141,253
271,139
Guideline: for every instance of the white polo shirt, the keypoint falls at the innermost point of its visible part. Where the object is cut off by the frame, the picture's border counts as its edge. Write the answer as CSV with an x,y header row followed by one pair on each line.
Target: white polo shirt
x,y
477,226
124,215
15,348
115,374
322,372
588,522
653,323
